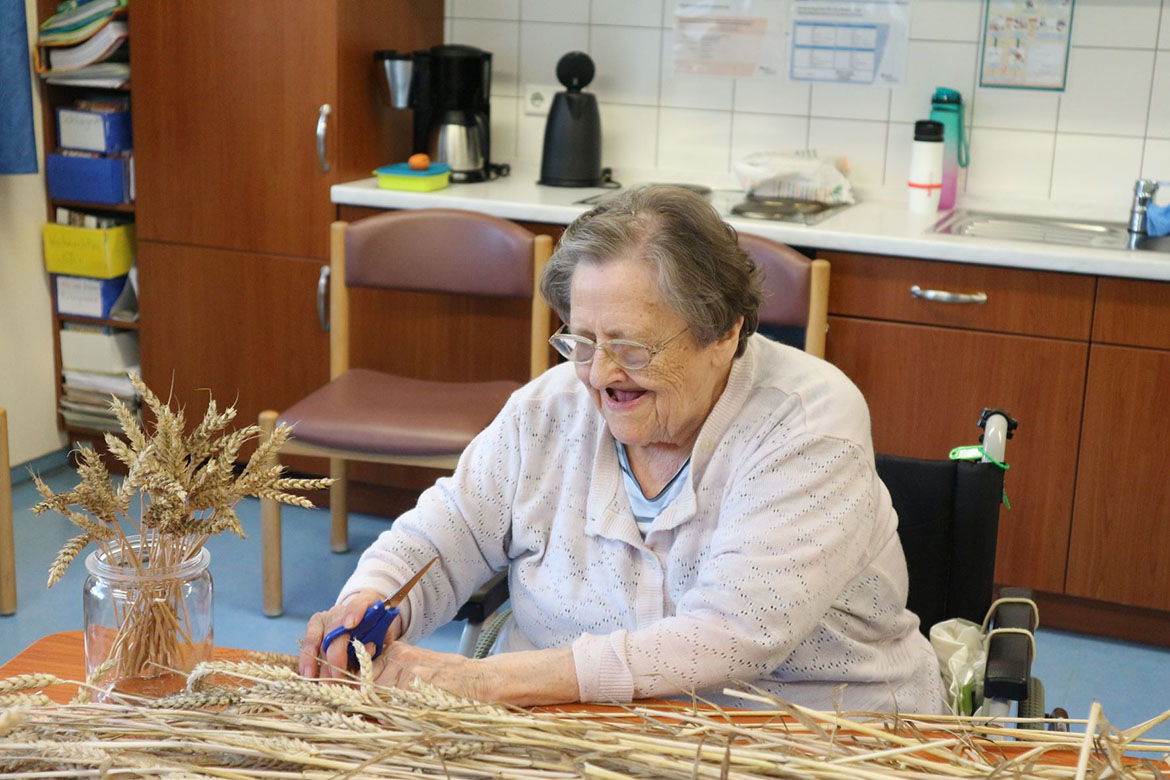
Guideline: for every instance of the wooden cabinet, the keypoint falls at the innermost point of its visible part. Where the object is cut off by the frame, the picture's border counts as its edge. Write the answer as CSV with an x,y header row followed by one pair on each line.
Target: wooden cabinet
x,y
235,200
927,369
1121,519
241,325
232,95
925,387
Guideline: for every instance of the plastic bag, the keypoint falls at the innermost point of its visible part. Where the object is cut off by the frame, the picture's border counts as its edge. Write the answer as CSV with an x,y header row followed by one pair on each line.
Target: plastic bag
x,y
802,175
961,647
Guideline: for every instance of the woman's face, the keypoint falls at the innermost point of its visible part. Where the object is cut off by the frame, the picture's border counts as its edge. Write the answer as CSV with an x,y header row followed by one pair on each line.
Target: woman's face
x,y
667,401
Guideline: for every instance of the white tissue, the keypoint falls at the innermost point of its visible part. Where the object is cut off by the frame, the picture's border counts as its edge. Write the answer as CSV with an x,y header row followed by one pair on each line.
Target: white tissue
x,y
801,175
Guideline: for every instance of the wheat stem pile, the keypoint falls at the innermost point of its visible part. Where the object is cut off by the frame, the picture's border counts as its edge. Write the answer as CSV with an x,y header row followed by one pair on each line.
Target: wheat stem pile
x,y
262,720
187,487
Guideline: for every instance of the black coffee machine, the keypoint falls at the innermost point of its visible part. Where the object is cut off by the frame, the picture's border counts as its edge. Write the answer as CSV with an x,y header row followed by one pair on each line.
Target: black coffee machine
x,y
448,87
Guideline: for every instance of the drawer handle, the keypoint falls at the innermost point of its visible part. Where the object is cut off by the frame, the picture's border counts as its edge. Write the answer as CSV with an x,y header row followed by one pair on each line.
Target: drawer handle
x,y
945,296
322,294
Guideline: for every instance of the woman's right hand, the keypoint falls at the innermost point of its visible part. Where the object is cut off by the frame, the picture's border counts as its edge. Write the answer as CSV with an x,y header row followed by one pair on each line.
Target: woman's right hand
x,y
348,613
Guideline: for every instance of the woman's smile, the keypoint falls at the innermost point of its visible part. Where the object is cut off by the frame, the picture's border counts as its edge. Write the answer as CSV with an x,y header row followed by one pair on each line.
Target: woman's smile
x,y
619,399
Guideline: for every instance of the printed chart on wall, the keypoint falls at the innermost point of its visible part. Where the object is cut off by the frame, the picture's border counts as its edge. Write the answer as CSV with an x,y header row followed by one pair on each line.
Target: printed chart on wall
x,y
1025,44
729,37
849,42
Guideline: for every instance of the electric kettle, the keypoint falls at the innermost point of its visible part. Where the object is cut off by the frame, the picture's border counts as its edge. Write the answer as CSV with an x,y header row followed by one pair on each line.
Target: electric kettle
x,y
572,133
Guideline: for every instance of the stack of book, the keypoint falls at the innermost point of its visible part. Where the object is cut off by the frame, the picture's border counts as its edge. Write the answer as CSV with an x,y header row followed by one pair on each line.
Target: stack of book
x,y
87,398
85,44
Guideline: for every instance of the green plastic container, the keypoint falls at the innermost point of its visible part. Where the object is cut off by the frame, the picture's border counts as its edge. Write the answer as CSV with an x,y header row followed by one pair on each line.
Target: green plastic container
x,y
401,176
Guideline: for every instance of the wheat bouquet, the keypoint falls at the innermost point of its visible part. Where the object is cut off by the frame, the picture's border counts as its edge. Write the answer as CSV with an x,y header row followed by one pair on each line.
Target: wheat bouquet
x,y
180,489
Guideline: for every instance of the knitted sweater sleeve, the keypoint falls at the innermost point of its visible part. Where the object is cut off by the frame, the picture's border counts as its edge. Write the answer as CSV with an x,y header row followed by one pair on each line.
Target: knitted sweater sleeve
x,y
463,519
794,527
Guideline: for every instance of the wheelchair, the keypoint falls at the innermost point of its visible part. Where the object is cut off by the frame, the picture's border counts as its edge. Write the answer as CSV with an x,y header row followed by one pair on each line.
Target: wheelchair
x,y
948,519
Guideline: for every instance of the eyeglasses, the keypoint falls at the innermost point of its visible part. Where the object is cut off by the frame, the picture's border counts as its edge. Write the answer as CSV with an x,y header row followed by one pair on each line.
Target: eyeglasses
x,y
630,355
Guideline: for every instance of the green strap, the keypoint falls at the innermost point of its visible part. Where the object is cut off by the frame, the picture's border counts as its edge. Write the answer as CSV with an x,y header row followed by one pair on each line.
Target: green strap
x,y
977,452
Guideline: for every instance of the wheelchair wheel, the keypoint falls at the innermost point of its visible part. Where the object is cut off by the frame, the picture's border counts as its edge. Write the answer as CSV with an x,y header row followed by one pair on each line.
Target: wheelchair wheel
x,y
1033,706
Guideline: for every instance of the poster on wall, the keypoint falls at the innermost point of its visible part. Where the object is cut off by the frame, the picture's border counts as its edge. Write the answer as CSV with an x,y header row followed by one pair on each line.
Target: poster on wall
x,y
849,42
729,38
1025,44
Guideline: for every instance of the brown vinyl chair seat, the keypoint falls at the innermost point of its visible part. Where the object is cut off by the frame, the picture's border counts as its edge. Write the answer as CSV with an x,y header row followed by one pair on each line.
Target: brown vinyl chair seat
x,y
369,411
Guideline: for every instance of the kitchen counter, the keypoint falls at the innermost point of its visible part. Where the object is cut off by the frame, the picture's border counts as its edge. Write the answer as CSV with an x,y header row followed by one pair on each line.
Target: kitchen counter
x,y
871,226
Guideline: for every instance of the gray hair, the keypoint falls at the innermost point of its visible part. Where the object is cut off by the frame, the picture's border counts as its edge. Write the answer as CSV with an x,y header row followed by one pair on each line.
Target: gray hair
x,y
703,275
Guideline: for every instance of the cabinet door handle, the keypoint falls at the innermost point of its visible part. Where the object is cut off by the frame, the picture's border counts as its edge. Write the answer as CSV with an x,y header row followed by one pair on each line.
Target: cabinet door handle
x,y
945,296
322,296
322,126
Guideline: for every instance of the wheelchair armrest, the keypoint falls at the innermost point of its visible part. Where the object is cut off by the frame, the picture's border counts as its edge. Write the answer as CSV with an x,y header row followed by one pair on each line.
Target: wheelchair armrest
x,y
486,600
1009,656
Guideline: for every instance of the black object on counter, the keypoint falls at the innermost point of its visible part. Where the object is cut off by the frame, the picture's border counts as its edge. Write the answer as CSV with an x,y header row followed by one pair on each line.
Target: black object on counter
x,y
449,88
572,133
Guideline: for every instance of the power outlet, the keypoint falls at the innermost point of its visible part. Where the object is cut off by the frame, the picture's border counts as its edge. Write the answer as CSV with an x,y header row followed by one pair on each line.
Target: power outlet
x,y
537,99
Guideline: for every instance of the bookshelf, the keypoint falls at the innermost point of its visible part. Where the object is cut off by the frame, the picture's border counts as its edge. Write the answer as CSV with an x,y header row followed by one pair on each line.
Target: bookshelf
x,y
54,96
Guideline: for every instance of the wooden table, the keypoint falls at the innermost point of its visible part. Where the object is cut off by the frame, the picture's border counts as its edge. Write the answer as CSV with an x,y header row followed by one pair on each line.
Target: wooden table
x,y
63,655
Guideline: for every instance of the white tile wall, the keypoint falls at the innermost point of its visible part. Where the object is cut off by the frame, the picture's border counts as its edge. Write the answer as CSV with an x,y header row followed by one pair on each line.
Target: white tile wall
x,y
1089,142
1156,162
1108,91
542,45
1085,166
1013,163
630,13
1159,122
1128,23
690,140
554,11
1015,109
766,132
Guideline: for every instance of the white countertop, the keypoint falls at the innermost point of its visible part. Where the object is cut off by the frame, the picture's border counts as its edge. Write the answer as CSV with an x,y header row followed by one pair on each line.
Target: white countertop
x,y
874,226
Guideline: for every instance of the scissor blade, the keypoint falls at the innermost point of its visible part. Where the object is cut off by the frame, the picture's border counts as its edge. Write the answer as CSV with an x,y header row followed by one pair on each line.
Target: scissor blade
x,y
401,593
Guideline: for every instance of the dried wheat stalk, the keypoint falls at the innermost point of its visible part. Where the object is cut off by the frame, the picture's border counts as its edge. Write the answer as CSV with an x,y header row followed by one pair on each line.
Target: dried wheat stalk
x,y
188,486
276,726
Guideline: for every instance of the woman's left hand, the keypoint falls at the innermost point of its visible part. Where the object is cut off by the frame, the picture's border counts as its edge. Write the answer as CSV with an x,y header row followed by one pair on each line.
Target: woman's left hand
x,y
400,664
523,678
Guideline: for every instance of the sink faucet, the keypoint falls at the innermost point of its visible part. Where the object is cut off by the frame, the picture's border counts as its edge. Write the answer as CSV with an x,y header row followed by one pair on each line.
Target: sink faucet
x,y
1143,195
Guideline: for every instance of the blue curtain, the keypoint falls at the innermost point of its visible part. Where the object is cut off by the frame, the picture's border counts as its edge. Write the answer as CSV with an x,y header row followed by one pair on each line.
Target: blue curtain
x,y
18,141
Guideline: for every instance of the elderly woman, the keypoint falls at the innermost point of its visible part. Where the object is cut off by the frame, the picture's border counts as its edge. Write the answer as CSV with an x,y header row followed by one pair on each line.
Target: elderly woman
x,y
681,506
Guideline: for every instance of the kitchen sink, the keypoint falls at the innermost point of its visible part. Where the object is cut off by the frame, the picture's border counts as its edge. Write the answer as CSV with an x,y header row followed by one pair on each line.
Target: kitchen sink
x,y
1048,230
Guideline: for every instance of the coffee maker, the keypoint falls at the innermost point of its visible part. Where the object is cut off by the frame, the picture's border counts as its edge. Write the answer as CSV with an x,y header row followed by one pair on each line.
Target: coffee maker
x,y
448,87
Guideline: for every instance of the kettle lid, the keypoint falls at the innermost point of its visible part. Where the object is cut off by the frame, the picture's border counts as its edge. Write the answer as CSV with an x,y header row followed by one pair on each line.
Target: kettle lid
x,y
575,70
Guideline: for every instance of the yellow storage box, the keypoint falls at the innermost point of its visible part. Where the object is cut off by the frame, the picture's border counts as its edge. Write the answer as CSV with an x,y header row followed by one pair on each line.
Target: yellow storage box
x,y
100,253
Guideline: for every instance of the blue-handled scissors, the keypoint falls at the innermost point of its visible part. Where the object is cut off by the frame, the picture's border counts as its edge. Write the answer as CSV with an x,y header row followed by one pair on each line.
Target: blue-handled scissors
x,y
375,624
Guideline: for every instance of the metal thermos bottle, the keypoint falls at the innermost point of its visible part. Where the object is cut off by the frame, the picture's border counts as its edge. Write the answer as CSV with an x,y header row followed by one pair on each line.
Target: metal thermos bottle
x,y
926,167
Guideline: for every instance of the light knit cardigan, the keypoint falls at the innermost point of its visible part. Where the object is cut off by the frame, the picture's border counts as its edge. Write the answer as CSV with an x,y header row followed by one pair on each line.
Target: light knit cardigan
x,y
778,564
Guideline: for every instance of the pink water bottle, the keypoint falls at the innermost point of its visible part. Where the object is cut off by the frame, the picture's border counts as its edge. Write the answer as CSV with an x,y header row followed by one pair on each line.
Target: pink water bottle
x,y
946,107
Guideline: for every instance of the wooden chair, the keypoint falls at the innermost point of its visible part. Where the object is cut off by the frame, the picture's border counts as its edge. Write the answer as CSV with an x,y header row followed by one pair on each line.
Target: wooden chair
x,y
379,417
796,294
7,541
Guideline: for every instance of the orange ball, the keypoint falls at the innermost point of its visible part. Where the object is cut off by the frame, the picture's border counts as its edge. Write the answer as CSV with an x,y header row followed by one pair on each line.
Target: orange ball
x,y
419,162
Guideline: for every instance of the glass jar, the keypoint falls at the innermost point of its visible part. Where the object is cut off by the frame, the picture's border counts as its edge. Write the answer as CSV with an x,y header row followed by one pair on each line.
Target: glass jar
x,y
146,624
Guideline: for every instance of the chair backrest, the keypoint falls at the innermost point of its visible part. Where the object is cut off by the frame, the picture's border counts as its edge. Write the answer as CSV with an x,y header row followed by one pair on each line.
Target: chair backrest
x,y
796,293
440,251
948,518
